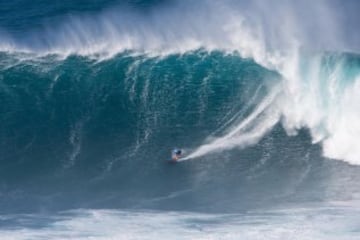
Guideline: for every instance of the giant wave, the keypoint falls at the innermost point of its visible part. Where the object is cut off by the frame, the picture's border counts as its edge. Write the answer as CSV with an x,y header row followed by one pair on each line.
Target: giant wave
x,y
92,103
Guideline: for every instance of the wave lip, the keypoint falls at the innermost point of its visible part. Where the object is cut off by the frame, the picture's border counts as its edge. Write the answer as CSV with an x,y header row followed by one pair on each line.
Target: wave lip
x,y
184,26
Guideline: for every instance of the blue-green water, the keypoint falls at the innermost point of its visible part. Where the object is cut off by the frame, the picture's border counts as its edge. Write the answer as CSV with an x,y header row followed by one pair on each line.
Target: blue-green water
x,y
94,95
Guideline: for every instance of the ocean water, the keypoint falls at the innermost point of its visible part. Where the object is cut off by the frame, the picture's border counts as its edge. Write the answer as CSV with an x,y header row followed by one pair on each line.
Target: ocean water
x,y
264,99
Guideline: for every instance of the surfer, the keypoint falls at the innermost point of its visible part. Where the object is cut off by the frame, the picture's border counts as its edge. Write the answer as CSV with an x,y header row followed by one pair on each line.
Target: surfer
x,y
176,154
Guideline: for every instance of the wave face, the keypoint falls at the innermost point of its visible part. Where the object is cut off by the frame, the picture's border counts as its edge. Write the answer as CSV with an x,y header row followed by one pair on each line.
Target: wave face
x,y
94,98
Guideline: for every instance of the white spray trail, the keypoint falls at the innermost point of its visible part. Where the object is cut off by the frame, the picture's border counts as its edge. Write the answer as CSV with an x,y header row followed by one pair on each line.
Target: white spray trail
x,y
248,132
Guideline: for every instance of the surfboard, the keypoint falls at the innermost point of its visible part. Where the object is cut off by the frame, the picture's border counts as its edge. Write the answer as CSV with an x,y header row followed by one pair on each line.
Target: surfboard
x,y
171,161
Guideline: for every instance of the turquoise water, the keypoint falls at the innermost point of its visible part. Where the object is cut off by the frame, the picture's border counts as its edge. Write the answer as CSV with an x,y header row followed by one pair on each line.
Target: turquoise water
x,y
95,94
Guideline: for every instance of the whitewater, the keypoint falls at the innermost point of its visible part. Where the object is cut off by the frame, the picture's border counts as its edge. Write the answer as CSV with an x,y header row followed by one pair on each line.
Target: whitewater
x,y
263,98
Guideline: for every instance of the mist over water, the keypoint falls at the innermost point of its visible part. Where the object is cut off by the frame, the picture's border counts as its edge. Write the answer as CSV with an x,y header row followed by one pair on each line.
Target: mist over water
x,y
248,26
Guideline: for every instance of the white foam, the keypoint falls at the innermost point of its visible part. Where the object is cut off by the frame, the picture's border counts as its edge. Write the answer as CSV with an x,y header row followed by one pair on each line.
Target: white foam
x,y
344,126
327,222
326,104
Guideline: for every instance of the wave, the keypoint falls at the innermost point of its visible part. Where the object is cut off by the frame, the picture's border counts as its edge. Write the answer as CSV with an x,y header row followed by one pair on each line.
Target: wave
x,y
101,99
107,128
